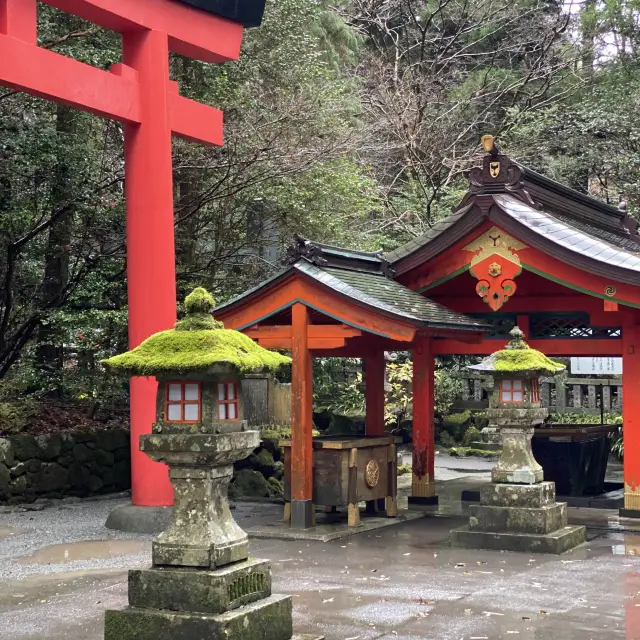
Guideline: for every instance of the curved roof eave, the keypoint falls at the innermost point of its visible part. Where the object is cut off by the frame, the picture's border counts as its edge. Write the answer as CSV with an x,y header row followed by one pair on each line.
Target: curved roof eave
x,y
544,232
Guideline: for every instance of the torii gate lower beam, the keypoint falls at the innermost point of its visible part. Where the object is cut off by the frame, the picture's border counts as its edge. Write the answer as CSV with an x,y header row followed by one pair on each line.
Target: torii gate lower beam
x,y
140,94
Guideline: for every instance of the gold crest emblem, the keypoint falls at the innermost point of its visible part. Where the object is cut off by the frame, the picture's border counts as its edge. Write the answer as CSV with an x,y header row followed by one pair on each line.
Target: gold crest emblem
x,y
495,269
494,169
372,473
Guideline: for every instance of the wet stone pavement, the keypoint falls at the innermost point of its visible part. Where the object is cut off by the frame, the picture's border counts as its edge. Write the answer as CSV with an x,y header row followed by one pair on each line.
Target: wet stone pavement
x,y
60,569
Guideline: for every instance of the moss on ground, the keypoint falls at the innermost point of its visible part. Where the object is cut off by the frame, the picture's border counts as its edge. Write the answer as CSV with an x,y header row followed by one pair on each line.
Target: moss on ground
x,y
465,452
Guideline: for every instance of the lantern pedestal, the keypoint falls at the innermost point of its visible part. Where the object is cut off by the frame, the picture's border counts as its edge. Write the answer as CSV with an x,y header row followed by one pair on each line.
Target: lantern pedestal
x,y
518,511
524,518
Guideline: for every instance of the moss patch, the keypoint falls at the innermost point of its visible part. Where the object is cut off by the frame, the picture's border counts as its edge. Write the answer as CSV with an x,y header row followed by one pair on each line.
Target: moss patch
x,y
196,344
518,356
464,452
526,359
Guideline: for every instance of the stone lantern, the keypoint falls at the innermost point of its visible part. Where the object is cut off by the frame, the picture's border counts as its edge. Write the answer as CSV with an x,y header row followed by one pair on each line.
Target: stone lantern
x,y
518,510
202,583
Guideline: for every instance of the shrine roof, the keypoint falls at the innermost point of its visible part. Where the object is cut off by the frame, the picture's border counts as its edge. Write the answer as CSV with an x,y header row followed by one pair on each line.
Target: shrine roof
x,y
365,278
574,227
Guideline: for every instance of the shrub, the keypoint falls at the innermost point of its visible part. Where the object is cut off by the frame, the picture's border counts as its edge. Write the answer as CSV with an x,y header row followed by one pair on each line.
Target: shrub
x,y
404,469
456,424
446,440
471,435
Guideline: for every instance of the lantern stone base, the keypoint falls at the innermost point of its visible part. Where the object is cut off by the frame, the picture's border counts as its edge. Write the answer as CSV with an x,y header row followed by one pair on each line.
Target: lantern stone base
x,y
556,543
267,619
231,603
523,518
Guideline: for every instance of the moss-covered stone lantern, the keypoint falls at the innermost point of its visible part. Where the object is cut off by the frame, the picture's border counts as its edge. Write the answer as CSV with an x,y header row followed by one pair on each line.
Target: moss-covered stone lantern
x,y
514,406
202,583
518,510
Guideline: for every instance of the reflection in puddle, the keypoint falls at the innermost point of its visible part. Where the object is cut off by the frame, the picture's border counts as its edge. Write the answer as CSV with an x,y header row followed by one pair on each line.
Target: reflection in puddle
x,y
85,550
8,532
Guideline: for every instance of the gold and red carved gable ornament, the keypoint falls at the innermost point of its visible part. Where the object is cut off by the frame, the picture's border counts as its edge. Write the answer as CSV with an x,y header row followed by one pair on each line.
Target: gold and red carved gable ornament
x,y
495,264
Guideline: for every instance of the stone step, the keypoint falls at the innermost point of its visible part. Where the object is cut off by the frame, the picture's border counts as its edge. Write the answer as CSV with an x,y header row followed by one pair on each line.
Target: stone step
x,y
268,619
518,495
557,542
518,519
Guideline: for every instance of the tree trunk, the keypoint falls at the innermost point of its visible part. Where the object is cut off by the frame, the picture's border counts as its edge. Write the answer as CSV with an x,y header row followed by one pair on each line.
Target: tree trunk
x,y
49,352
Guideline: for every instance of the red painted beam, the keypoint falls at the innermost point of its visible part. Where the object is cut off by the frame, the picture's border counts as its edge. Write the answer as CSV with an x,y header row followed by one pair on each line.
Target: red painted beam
x,y
195,122
49,75
19,19
271,332
113,95
192,33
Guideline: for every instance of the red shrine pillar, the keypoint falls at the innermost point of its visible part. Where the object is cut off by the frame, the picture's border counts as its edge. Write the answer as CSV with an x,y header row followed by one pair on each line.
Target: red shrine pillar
x,y
631,415
374,372
423,489
302,510
150,243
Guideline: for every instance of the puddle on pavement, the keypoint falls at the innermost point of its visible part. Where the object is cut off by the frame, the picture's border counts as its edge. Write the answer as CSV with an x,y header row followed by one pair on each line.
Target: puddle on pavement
x,y
8,532
85,550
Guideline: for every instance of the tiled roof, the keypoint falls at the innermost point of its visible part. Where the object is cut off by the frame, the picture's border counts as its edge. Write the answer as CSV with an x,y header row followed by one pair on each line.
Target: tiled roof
x,y
389,296
581,238
375,290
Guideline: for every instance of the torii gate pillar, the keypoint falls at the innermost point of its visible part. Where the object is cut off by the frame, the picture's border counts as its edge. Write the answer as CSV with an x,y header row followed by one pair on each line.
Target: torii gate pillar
x,y
139,94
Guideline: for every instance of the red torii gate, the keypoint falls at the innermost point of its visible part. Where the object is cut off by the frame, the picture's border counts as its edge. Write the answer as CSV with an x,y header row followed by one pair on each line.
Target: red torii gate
x,y
139,93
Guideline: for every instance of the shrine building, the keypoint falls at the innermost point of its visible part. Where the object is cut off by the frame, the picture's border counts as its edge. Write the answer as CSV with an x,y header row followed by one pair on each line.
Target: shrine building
x,y
520,249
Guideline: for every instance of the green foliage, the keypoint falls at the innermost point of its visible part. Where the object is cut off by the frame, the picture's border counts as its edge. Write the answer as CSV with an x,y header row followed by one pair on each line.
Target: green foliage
x,y
584,418
456,424
398,404
617,444
404,469
471,435
447,440
465,452
337,386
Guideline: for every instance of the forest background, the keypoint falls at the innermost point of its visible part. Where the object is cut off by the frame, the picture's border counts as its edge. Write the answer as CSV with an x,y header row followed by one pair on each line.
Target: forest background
x,y
350,122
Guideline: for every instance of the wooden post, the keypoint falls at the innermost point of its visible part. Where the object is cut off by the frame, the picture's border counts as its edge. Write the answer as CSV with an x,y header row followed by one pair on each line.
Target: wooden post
x,y
353,514
374,370
391,502
423,486
301,421
631,417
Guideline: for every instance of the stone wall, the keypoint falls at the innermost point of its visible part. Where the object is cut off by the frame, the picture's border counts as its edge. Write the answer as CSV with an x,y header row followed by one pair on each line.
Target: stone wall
x,y
55,465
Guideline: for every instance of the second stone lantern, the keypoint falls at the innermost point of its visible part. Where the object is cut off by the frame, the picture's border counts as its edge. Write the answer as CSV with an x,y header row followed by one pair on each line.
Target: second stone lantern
x,y
202,583
518,510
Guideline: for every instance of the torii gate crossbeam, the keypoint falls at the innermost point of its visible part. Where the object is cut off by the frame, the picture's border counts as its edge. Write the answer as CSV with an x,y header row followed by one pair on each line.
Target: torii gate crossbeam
x,y
139,93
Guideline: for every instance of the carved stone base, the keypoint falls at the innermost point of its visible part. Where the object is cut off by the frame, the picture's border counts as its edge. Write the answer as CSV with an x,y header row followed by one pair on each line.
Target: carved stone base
x,y
268,619
210,592
557,542
523,518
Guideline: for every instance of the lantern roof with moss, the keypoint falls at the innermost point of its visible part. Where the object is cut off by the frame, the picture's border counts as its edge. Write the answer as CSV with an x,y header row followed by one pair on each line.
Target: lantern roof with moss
x,y
196,344
518,357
